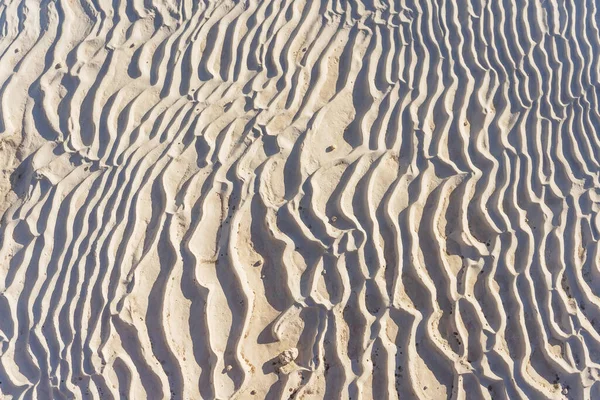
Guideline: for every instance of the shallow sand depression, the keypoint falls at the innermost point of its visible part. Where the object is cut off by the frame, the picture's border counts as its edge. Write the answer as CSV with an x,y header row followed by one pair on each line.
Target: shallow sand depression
x,y
291,199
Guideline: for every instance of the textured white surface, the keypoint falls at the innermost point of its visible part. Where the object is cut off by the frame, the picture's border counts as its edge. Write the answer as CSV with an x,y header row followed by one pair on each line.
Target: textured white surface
x,y
405,191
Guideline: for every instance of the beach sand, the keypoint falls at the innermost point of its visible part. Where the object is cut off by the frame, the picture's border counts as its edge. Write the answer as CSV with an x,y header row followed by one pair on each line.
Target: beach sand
x,y
293,199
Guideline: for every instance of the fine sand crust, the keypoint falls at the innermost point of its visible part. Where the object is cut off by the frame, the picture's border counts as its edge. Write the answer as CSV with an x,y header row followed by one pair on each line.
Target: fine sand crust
x,y
297,199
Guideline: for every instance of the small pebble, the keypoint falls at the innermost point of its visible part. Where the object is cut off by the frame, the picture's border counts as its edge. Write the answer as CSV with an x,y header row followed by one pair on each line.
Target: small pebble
x,y
288,356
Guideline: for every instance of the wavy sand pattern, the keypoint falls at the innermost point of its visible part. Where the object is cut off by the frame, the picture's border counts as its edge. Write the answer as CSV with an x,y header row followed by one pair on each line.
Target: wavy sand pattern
x,y
404,191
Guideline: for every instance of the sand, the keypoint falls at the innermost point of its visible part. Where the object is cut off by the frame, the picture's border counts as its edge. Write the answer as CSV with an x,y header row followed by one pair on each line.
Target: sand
x,y
292,199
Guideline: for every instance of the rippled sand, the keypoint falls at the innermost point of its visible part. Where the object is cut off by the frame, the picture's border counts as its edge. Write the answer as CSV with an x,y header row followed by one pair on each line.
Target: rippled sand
x,y
328,199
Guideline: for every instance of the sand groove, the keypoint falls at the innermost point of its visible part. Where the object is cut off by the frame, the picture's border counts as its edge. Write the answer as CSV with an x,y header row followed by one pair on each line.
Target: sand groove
x,y
404,191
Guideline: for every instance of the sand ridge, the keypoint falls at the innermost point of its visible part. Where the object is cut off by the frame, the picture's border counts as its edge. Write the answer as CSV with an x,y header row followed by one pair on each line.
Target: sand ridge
x,y
326,199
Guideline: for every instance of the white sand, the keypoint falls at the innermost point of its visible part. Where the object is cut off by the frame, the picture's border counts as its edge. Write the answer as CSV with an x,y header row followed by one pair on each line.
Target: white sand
x,y
329,199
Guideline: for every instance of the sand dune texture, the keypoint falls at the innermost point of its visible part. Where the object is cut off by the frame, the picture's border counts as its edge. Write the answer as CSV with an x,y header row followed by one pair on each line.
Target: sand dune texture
x,y
328,199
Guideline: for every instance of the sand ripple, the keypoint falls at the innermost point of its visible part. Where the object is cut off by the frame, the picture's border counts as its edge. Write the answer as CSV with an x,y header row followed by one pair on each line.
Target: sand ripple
x,y
406,192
